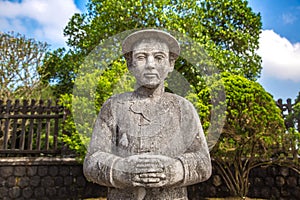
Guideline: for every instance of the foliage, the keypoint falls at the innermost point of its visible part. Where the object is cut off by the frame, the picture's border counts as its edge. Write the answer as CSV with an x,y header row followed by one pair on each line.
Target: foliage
x,y
84,107
20,59
59,70
292,118
252,128
296,109
113,80
290,147
71,137
228,30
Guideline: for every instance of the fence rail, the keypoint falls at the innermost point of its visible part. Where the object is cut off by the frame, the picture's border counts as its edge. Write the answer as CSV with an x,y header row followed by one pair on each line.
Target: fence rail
x,y
33,127
287,111
30,127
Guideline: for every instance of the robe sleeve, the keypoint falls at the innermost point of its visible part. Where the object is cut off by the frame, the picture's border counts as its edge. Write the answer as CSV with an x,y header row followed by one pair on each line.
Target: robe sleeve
x,y
196,160
99,161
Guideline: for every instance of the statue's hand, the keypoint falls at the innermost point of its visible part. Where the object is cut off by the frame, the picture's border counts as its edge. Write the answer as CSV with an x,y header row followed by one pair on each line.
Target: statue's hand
x,y
147,171
123,171
157,171
126,170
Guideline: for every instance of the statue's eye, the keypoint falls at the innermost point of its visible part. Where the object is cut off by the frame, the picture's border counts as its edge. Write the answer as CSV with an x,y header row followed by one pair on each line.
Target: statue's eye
x,y
141,57
159,57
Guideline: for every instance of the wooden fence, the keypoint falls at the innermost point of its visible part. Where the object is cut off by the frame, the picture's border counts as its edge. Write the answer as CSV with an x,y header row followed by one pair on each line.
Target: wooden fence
x,y
30,127
287,110
33,127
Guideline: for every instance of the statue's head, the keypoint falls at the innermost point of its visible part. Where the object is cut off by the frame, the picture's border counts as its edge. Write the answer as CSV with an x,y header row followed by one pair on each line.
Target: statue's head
x,y
150,56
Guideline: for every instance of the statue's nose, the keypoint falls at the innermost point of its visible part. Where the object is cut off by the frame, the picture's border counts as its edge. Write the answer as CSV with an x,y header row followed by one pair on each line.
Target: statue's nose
x,y
150,63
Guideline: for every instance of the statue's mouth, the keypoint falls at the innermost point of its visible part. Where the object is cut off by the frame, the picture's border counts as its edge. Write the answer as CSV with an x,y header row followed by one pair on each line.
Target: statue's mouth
x,y
151,75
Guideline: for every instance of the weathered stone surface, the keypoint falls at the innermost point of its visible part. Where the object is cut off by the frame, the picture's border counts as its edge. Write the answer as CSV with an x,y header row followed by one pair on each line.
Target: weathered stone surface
x,y
20,198
11,181
280,181
68,180
269,181
64,170
255,172
80,189
14,192
217,181
73,190
3,192
275,193
32,170
296,192
47,181
148,144
224,190
272,171
53,170
20,171
62,192
256,192
6,171
284,171
284,192
50,191
42,171
258,181
35,181
212,191
291,181
24,182
2,181
27,192
76,171
265,192
81,181
59,181
39,192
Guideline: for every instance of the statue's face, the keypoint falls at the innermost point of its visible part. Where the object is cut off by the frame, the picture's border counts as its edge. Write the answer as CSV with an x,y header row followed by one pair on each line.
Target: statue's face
x,y
150,63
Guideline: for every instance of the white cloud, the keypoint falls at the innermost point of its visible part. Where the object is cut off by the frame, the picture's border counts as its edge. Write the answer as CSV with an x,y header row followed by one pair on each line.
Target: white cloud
x,y
288,18
41,19
281,58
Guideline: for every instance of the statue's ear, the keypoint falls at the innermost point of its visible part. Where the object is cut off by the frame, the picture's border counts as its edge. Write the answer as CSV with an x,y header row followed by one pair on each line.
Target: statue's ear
x,y
172,60
129,66
172,64
128,58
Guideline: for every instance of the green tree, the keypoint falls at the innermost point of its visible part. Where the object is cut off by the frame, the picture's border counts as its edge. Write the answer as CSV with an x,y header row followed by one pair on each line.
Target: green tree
x,y
86,106
20,60
291,142
60,69
253,130
296,108
293,118
227,29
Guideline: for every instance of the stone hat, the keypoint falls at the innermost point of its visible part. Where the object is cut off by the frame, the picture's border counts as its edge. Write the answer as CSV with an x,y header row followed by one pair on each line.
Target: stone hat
x,y
130,40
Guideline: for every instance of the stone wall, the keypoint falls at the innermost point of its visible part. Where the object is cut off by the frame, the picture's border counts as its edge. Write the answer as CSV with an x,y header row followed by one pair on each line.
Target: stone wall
x,y
45,178
62,178
272,182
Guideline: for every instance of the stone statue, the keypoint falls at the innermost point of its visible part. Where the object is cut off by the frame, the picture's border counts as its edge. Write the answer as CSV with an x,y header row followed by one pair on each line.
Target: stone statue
x,y
148,144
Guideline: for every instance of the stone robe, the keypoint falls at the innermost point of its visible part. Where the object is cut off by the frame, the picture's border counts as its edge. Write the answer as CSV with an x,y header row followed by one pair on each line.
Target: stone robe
x,y
131,124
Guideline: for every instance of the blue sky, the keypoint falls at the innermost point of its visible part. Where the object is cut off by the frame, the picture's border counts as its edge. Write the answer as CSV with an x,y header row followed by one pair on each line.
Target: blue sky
x,y
44,20
280,46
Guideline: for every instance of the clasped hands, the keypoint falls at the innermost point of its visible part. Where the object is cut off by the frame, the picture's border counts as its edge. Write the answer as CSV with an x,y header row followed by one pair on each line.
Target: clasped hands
x,y
148,171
